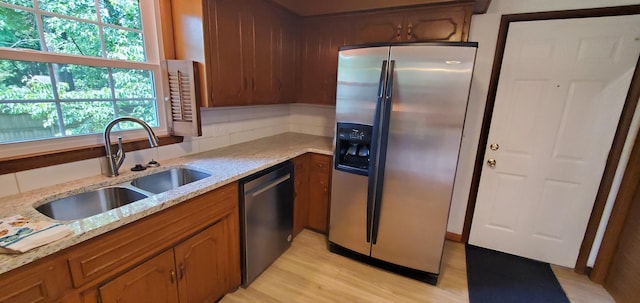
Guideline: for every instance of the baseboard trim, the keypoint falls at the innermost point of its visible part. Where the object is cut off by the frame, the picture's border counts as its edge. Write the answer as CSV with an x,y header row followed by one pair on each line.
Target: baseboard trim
x,y
453,237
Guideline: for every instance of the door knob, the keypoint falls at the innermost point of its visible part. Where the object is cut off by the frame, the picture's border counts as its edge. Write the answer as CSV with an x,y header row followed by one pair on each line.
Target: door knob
x,y
491,162
494,146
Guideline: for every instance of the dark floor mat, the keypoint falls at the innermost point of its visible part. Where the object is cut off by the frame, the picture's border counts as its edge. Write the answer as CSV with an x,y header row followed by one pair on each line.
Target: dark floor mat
x,y
498,277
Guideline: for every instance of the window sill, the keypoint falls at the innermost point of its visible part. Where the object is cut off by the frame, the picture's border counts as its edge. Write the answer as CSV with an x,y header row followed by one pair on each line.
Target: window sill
x,y
38,160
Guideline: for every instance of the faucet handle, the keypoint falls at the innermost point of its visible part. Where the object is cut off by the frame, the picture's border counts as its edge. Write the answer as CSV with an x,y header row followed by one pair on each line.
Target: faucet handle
x,y
153,163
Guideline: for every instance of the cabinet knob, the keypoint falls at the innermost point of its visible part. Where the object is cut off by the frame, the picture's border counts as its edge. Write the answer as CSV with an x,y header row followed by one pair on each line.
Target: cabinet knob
x,y
410,31
181,272
173,276
398,30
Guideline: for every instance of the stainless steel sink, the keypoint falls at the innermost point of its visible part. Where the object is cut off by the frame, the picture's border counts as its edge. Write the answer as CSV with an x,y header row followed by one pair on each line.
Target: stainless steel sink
x,y
98,201
89,203
170,179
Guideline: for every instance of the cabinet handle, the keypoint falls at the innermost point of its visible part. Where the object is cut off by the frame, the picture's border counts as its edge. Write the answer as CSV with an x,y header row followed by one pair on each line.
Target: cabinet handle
x,y
173,276
181,272
399,29
410,31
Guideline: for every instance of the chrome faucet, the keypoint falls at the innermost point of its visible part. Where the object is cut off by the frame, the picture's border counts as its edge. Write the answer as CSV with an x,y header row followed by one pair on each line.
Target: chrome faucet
x,y
113,162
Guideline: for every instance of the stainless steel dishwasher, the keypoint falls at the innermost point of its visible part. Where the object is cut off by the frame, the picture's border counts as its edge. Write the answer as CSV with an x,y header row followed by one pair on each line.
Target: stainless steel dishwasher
x,y
267,218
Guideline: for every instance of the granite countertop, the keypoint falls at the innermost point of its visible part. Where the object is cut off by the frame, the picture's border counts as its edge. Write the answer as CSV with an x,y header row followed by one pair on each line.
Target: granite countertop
x,y
226,165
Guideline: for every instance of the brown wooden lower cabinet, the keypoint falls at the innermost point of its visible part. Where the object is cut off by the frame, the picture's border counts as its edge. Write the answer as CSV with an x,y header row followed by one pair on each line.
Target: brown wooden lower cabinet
x,y
151,281
312,186
198,273
319,201
319,192
186,253
202,264
301,193
41,281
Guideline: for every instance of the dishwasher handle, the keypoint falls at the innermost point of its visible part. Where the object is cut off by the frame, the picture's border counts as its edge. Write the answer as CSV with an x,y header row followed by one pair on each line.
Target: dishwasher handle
x,y
258,190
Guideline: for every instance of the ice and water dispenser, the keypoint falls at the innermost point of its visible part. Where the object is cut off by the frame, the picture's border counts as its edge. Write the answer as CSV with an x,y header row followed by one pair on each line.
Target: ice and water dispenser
x,y
353,148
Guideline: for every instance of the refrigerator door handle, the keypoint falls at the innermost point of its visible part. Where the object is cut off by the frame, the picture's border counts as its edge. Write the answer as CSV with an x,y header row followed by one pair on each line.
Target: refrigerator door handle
x,y
371,190
384,140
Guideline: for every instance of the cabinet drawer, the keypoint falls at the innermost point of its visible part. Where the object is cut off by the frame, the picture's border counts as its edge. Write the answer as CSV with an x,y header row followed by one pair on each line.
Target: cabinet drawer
x,y
124,247
320,163
42,282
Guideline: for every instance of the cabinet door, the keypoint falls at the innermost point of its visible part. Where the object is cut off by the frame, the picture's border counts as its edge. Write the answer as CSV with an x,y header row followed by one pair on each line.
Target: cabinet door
x,y
301,189
152,281
378,28
230,52
318,201
320,41
338,34
166,19
319,180
264,44
287,57
202,265
189,41
447,24
311,67
45,281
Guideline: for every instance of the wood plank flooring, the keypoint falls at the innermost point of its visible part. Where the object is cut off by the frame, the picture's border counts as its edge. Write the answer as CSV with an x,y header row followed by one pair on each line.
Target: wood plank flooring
x,y
308,272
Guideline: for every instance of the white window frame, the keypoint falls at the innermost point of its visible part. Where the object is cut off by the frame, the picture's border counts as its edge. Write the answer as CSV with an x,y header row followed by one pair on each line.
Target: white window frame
x,y
153,41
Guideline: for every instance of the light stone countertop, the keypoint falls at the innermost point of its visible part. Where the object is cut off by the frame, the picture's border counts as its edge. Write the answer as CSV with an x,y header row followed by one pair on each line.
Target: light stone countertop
x,y
226,165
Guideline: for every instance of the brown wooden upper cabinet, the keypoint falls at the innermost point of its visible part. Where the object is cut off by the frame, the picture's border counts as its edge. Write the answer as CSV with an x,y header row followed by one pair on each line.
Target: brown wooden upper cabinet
x,y
245,50
448,23
322,36
255,52
319,43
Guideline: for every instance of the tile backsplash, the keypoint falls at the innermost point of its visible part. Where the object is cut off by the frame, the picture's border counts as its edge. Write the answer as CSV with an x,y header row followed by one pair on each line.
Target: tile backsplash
x,y
220,127
312,119
8,185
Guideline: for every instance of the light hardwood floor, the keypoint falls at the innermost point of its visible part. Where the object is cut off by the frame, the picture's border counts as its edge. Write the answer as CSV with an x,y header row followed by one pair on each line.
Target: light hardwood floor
x,y
308,272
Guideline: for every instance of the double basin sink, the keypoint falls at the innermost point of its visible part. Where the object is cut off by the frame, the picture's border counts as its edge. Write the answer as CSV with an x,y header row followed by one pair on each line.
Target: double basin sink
x,y
91,203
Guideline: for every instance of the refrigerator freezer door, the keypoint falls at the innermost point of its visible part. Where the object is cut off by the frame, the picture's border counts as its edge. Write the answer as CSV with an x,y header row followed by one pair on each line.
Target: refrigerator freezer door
x,y
430,92
359,77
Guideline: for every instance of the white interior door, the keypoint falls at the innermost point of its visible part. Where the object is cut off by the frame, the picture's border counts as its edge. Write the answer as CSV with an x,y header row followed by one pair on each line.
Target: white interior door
x,y
561,90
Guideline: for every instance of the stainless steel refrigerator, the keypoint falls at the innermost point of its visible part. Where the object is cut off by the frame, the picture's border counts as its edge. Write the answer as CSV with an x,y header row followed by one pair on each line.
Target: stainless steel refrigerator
x,y
400,110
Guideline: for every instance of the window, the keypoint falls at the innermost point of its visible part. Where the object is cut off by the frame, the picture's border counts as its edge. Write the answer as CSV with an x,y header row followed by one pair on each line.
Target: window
x,y
69,67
